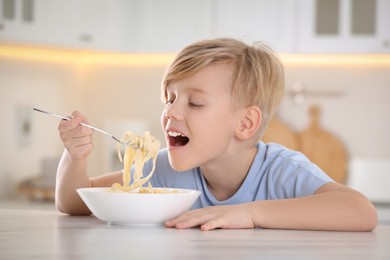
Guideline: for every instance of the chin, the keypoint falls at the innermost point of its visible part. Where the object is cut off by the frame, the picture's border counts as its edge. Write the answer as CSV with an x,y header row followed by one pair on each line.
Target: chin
x,y
178,164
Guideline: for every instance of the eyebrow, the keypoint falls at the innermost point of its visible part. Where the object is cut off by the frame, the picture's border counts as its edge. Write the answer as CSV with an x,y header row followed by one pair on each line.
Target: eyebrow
x,y
197,90
192,89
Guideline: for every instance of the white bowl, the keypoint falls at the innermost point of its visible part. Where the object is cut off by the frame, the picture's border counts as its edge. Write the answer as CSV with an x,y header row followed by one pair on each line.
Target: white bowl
x,y
137,208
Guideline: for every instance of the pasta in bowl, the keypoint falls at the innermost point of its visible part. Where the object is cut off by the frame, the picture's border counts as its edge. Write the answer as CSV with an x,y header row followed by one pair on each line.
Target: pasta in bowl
x,y
134,208
136,202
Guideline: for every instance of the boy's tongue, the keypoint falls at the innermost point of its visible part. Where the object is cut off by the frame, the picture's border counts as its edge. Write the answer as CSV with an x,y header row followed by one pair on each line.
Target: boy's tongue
x,y
178,141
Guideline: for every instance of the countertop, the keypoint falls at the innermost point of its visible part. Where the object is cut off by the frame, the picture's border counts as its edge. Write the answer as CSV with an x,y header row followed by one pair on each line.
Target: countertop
x,y
48,234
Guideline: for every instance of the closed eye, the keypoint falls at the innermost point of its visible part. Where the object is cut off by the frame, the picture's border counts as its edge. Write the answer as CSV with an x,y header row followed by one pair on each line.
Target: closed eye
x,y
193,105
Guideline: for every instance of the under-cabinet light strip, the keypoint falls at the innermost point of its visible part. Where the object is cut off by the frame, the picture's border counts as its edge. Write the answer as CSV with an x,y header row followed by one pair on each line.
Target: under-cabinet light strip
x,y
95,57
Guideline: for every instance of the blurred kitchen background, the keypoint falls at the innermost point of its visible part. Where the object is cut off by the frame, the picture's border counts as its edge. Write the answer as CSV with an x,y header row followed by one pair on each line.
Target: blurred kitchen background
x,y
106,59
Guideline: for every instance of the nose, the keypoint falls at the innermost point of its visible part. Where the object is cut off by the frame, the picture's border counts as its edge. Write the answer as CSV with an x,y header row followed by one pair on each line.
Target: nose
x,y
173,112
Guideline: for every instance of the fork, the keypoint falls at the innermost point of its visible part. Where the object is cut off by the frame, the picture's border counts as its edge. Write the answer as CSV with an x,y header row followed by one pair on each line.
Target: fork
x,y
89,126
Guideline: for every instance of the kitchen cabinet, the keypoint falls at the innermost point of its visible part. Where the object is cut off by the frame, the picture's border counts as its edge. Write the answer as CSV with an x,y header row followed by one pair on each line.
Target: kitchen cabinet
x,y
168,26
152,25
120,25
103,24
257,20
58,22
343,26
288,26
95,24
19,21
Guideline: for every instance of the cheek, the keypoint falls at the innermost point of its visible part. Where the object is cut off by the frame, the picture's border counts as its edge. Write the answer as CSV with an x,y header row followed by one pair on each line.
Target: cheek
x,y
163,120
224,118
225,123
217,128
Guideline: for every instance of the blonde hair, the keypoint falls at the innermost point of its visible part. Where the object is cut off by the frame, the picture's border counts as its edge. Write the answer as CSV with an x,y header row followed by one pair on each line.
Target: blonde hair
x,y
258,73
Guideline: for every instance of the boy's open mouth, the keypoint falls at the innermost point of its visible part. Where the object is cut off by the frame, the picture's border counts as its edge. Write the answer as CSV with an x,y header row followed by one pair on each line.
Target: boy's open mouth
x,y
177,139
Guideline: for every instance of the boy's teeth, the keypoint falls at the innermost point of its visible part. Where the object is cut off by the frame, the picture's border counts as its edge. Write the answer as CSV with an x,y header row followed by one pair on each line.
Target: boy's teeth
x,y
174,134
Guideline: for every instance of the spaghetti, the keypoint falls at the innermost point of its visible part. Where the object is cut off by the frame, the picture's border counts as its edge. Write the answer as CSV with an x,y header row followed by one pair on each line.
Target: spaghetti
x,y
138,152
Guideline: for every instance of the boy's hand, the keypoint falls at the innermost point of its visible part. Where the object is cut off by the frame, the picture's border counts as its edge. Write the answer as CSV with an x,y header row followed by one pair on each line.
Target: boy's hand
x,y
77,139
232,216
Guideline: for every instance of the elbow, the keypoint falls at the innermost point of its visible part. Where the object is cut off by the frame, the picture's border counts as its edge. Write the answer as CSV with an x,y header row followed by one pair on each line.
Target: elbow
x,y
371,219
359,214
367,216
71,207
72,210
63,208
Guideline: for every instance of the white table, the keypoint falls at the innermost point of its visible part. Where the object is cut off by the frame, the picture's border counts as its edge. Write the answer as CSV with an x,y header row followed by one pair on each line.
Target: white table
x,y
32,234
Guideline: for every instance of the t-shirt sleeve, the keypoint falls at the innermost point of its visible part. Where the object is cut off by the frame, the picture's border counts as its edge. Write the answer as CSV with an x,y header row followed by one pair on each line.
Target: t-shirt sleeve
x,y
295,177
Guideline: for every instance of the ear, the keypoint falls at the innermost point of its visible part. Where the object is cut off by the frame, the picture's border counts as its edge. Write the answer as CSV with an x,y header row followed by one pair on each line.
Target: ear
x,y
250,123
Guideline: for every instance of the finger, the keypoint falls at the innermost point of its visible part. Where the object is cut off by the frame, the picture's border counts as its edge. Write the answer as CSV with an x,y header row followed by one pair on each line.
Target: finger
x,y
190,219
72,143
212,224
180,218
79,115
74,134
172,222
82,131
81,151
68,125
79,147
75,119
74,138
81,141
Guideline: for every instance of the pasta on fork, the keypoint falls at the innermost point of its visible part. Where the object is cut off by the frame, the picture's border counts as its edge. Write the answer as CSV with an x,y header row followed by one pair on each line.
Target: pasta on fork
x,y
138,151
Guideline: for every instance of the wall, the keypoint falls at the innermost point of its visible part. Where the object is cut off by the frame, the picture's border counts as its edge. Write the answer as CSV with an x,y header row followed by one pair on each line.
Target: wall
x,y
121,93
109,91
24,84
359,116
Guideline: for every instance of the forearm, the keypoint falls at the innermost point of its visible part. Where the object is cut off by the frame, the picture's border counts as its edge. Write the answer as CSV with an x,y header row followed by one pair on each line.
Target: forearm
x,y
336,210
71,174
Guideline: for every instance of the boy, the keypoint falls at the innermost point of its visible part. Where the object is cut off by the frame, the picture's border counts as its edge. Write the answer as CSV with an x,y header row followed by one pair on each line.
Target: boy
x,y
219,96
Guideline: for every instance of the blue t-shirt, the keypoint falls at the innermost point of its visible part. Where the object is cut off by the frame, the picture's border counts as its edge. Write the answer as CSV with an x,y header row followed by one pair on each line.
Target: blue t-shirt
x,y
276,173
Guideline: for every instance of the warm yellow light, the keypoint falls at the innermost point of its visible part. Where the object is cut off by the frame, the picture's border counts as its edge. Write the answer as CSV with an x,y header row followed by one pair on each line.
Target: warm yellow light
x,y
84,57
36,54
336,59
163,59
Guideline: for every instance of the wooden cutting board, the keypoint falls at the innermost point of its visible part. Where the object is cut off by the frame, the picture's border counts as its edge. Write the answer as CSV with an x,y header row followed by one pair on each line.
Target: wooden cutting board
x,y
279,132
324,149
